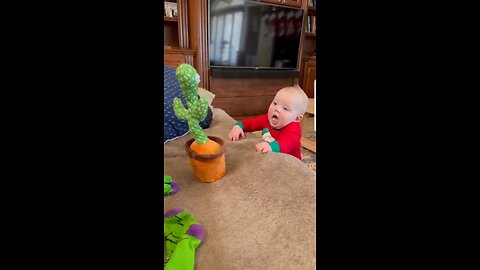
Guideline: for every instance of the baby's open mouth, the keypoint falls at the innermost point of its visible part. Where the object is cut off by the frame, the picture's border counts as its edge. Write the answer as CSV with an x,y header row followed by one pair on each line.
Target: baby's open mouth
x,y
274,119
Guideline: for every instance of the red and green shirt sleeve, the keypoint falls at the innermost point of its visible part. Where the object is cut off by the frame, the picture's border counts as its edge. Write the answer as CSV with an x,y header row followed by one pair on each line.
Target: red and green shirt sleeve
x,y
253,124
287,140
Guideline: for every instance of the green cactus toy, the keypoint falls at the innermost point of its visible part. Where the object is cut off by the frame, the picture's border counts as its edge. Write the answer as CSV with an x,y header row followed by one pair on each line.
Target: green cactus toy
x,y
188,79
197,108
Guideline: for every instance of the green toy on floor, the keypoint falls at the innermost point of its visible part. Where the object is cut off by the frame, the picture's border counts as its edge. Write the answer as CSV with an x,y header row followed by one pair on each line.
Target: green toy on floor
x,y
182,234
169,187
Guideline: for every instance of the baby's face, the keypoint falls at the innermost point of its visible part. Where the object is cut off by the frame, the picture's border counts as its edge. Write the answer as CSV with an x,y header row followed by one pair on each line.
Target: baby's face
x,y
284,109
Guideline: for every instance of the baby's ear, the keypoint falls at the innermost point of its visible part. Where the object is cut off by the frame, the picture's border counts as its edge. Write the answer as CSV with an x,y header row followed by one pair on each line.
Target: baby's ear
x,y
299,118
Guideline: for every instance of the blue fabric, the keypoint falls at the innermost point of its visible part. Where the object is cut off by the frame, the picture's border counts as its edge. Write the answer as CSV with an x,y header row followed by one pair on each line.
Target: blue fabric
x,y
172,126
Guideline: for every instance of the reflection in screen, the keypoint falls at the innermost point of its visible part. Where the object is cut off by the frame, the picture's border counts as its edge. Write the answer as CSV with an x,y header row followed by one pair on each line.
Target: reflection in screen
x,y
253,34
226,42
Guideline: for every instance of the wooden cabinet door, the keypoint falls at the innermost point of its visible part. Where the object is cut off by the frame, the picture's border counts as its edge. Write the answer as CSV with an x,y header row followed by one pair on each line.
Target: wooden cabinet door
x,y
174,58
246,96
309,75
293,3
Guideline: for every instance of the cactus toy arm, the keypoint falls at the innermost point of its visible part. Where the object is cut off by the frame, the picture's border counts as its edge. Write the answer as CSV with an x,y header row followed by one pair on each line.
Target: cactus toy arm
x,y
202,109
188,79
180,111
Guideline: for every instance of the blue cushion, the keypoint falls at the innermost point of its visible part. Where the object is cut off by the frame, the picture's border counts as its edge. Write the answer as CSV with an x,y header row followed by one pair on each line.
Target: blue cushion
x,y
172,126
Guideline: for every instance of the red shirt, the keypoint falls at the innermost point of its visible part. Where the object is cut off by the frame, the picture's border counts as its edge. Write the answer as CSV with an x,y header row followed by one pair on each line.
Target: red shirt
x,y
287,139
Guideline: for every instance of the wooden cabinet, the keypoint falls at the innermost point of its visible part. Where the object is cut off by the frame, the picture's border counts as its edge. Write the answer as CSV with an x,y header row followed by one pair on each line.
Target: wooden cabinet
x,y
309,75
309,47
310,31
185,37
175,37
293,3
246,97
175,57
175,26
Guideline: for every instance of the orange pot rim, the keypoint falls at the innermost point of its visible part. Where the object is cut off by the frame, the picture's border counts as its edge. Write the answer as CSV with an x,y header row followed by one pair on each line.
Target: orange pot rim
x,y
199,157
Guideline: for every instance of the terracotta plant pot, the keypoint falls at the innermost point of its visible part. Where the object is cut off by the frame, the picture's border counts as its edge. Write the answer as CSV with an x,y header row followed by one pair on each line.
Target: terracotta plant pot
x,y
207,168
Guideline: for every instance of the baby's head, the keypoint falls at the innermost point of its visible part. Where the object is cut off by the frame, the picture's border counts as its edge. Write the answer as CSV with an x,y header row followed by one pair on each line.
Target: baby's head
x,y
288,106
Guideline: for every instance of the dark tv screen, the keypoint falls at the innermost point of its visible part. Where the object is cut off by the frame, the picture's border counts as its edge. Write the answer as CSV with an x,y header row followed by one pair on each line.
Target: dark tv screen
x,y
248,34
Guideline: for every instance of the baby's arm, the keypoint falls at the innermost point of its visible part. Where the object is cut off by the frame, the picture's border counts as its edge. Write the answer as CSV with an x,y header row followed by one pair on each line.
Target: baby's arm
x,y
246,125
286,142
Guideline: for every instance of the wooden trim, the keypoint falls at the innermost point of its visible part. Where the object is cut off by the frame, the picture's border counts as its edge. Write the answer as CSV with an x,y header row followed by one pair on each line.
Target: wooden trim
x,y
293,3
179,50
170,19
175,57
198,14
203,43
309,75
308,41
183,24
302,40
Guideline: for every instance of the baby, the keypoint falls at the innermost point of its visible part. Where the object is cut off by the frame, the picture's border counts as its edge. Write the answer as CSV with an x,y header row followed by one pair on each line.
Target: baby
x,y
280,127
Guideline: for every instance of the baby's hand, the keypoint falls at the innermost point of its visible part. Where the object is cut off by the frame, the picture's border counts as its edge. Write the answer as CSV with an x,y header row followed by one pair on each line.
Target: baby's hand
x,y
263,147
235,133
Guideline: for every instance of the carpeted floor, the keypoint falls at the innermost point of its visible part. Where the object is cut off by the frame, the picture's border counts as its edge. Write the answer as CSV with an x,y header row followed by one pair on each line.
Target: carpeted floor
x,y
309,158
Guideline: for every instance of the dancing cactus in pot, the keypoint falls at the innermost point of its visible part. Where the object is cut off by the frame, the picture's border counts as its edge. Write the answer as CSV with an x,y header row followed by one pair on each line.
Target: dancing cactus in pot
x,y
206,152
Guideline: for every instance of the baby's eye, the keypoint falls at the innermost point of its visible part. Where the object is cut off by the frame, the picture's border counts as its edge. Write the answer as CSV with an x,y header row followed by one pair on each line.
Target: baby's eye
x,y
274,103
285,108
